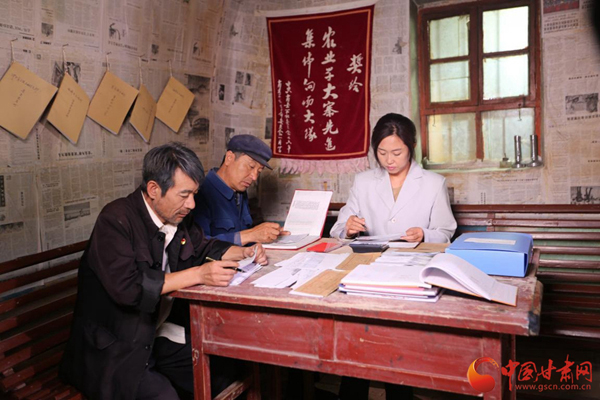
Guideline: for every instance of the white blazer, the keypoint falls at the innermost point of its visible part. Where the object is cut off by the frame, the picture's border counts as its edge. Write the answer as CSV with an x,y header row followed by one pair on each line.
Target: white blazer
x,y
422,202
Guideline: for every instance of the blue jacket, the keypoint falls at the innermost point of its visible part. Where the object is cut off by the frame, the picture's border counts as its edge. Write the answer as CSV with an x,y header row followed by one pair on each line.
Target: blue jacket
x,y
217,211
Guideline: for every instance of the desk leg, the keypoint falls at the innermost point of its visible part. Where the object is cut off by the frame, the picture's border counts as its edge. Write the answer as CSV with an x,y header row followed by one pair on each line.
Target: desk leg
x,y
510,353
254,389
501,349
200,360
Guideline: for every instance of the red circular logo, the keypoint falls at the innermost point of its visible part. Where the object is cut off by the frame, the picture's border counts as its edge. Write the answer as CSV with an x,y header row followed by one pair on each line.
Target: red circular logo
x,y
481,383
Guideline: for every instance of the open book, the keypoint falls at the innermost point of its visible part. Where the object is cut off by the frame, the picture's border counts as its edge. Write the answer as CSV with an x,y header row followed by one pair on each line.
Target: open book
x,y
305,220
452,272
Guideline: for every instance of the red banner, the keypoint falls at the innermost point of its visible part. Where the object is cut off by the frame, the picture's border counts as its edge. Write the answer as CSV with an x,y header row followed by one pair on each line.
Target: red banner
x,y
320,69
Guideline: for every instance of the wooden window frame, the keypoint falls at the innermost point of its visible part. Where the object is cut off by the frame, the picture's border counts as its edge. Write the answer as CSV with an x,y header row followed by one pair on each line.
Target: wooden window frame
x,y
476,104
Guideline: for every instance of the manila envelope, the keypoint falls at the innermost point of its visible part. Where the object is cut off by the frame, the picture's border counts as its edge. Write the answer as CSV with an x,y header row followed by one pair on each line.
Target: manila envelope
x,y
69,109
143,114
23,98
174,103
112,102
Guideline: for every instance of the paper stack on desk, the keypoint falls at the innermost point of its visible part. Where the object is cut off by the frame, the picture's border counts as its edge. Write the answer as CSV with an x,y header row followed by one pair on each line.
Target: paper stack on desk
x,y
419,277
396,277
299,269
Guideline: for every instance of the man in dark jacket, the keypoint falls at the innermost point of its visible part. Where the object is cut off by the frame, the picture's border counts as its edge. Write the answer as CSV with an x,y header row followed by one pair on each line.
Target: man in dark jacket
x,y
125,342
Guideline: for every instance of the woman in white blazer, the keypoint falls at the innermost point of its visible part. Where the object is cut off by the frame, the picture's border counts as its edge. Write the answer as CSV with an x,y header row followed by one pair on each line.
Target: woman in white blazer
x,y
399,196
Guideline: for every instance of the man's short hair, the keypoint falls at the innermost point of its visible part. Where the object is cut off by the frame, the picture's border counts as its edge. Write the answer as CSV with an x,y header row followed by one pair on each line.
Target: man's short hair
x,y
161,162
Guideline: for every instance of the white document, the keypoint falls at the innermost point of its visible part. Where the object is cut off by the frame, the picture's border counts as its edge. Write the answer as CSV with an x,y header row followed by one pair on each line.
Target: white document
x,y
248,267
452,272
299,269
385,275
290,239
306,217
432,298
278,279
403,245
382,238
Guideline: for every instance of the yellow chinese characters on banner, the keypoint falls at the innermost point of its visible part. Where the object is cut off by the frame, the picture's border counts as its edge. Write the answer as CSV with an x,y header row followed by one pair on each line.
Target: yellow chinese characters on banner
x,y
69,109
23,98
112,101
142,116
174,103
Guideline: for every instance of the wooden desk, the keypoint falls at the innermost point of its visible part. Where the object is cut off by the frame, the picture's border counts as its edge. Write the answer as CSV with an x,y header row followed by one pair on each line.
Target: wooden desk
x,y
427,345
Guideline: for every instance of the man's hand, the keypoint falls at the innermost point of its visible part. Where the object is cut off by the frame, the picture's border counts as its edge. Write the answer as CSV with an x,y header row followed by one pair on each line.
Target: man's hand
x,y
237,253
261,254
414,234
354,225
217,273
266,232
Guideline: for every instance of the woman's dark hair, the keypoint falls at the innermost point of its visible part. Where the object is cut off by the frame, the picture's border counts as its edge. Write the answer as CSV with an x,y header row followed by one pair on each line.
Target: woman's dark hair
x,y
161,162
394,124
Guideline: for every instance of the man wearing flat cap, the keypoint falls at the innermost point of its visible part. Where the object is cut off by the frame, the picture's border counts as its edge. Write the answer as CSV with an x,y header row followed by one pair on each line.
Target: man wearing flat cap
x,y
222,202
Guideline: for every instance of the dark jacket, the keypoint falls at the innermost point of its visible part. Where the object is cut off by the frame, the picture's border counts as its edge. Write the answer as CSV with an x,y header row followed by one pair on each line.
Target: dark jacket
x,y
217,211
119,285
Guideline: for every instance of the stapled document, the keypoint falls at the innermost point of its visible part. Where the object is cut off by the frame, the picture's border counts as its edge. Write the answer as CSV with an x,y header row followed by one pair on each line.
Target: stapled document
x,y
305,220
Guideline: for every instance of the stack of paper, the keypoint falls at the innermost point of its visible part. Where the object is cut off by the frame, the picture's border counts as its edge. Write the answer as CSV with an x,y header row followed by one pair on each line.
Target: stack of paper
x,y
393,276
421,277
299,269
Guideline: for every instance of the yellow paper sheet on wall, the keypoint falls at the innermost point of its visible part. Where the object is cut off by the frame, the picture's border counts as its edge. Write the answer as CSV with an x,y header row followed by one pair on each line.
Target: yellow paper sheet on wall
x,y
23,98
69,109
143,114
174,103
111,102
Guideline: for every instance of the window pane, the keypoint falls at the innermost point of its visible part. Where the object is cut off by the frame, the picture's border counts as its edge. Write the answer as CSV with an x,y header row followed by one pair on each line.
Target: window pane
x,y
505,77
499,130
451,138
449,81
449,37
505,30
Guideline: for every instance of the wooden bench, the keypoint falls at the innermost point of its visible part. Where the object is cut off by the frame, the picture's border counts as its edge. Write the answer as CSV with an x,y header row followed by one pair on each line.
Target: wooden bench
x,y
37,296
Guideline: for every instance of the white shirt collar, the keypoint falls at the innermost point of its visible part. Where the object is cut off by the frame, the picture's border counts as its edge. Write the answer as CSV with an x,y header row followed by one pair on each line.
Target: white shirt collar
x,y
168,229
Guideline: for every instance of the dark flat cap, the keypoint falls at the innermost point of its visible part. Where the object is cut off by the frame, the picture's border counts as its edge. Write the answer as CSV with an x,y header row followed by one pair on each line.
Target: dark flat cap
x,y
253,147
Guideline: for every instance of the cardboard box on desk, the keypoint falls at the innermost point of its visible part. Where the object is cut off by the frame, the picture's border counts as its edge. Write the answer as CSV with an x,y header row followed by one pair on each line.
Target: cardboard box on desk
x,y
495,253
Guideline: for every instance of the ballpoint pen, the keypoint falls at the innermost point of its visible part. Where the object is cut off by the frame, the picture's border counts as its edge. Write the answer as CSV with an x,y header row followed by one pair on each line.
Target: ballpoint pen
x,y
361,232
235,268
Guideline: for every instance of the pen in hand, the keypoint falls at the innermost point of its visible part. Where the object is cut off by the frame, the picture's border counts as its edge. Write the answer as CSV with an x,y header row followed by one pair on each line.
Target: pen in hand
x,y
234,268
364,225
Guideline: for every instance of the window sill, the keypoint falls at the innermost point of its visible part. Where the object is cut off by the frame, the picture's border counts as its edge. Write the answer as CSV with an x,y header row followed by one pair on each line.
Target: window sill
x,y
478,166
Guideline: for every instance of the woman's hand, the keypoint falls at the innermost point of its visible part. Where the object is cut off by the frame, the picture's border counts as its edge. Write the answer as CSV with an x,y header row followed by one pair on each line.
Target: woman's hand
x,y
354,225
414,234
